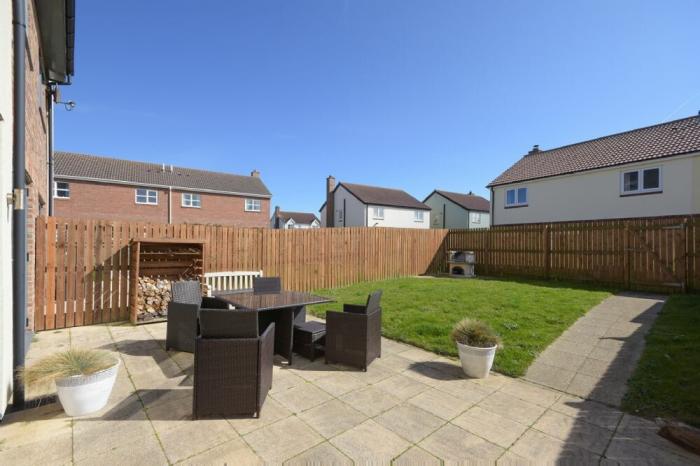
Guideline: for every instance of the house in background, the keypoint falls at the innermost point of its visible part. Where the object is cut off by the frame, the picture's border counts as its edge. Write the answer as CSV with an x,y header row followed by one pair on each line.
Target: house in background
x,y
283,220
646,172
356,205
106,188
457,210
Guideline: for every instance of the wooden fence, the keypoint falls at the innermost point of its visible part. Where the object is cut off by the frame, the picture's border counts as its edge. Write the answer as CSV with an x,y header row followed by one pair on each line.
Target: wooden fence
x,y
82,266
659,254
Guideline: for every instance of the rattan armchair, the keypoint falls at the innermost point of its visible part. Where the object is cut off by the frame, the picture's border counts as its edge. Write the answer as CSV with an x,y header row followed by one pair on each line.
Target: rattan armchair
x,y
232,364
186,300
354,336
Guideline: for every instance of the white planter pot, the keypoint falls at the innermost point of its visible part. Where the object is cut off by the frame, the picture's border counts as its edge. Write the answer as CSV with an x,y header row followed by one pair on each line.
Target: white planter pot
x,y
476,362
85,394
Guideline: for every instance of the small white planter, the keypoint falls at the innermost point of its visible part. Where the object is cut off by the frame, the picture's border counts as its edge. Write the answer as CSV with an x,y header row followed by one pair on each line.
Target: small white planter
x,y
85,394
476,362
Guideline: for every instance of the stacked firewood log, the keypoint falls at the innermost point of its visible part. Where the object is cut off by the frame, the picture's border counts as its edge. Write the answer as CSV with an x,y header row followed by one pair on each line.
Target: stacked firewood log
x,y
152,298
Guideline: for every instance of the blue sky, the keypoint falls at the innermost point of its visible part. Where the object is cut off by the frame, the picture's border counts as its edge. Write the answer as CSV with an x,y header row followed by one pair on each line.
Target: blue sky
x,y
410,94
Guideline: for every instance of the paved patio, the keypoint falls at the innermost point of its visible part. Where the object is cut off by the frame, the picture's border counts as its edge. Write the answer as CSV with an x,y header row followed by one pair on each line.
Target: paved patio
x,y
410,407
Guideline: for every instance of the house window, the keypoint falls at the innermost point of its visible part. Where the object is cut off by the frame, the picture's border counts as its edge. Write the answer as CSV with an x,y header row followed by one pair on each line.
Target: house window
x,y
516,197
146,196
61,190
252,205
475,217
191,200
418,215
378,212
645,180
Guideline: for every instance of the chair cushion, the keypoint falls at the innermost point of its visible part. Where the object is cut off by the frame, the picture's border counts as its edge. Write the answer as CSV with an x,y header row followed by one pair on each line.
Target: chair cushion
x,y
224,323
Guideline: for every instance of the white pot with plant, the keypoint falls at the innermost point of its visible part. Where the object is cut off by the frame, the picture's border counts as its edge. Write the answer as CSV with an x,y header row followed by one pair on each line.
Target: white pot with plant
x,y
477,344
84,378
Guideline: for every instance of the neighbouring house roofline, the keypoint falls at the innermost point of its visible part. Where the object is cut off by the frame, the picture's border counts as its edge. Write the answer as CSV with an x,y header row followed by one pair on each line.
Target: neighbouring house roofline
x,y
469,202
372,195
301,218
663,140
72,166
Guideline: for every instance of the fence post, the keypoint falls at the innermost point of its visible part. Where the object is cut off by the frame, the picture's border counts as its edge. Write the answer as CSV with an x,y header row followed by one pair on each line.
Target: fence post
x,y
547,247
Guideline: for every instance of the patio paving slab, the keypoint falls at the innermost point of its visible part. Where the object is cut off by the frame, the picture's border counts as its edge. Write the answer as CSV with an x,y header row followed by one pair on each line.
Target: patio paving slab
x,y
332,418
409,422
282,440
491,426
370,443
415,456
322,454
457,446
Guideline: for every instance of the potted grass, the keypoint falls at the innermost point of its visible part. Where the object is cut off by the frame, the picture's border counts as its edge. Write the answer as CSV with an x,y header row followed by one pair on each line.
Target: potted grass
x,y
84,378
477,344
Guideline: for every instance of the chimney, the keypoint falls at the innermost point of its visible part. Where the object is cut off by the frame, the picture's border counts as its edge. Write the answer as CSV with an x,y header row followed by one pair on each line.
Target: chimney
x,y
255,174
277,216
535,149
330,204
471,193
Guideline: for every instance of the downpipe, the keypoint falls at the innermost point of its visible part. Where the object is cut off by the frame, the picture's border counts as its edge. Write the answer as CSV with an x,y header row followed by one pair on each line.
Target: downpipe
x,y
19,212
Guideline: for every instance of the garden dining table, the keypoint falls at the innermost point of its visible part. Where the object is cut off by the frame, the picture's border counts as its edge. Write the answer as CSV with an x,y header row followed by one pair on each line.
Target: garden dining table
x,y
285,309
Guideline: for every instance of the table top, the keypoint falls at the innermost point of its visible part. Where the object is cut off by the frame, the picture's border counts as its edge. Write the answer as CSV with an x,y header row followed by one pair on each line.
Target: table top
x,y
268,301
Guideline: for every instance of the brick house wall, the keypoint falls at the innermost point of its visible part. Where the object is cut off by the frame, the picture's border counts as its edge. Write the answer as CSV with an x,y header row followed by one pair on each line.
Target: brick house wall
x,y
36,148
106,201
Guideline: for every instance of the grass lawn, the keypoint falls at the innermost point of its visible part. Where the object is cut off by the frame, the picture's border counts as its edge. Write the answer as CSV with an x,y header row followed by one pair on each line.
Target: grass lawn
x,y
666,382
528,315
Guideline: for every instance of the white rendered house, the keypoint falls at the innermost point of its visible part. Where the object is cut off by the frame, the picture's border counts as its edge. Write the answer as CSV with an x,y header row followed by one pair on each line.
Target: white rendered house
x,y
646,172
356,205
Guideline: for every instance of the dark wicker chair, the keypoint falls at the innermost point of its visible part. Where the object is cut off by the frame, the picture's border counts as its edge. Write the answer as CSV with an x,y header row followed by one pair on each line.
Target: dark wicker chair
x,y
232,364
186,300
266,285
354,336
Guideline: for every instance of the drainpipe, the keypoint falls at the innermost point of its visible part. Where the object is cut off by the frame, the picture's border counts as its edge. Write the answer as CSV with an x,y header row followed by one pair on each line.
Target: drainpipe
x,y
170,205
19,214
50,106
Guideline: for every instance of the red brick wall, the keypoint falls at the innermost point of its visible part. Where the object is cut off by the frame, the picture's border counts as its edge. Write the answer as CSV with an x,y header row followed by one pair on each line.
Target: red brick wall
x,y
117,202
36,148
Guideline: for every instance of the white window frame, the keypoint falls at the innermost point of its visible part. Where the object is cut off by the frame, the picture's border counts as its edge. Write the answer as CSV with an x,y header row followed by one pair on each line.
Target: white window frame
x,y
253,205
147,195
191,200
56,189
418,216
378,213
475,217
517,203
640,182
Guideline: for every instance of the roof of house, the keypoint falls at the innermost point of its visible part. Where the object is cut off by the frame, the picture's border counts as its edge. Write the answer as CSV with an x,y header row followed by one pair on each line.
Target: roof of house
x,y
305,218
375,195
102,169
652,142
467,201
